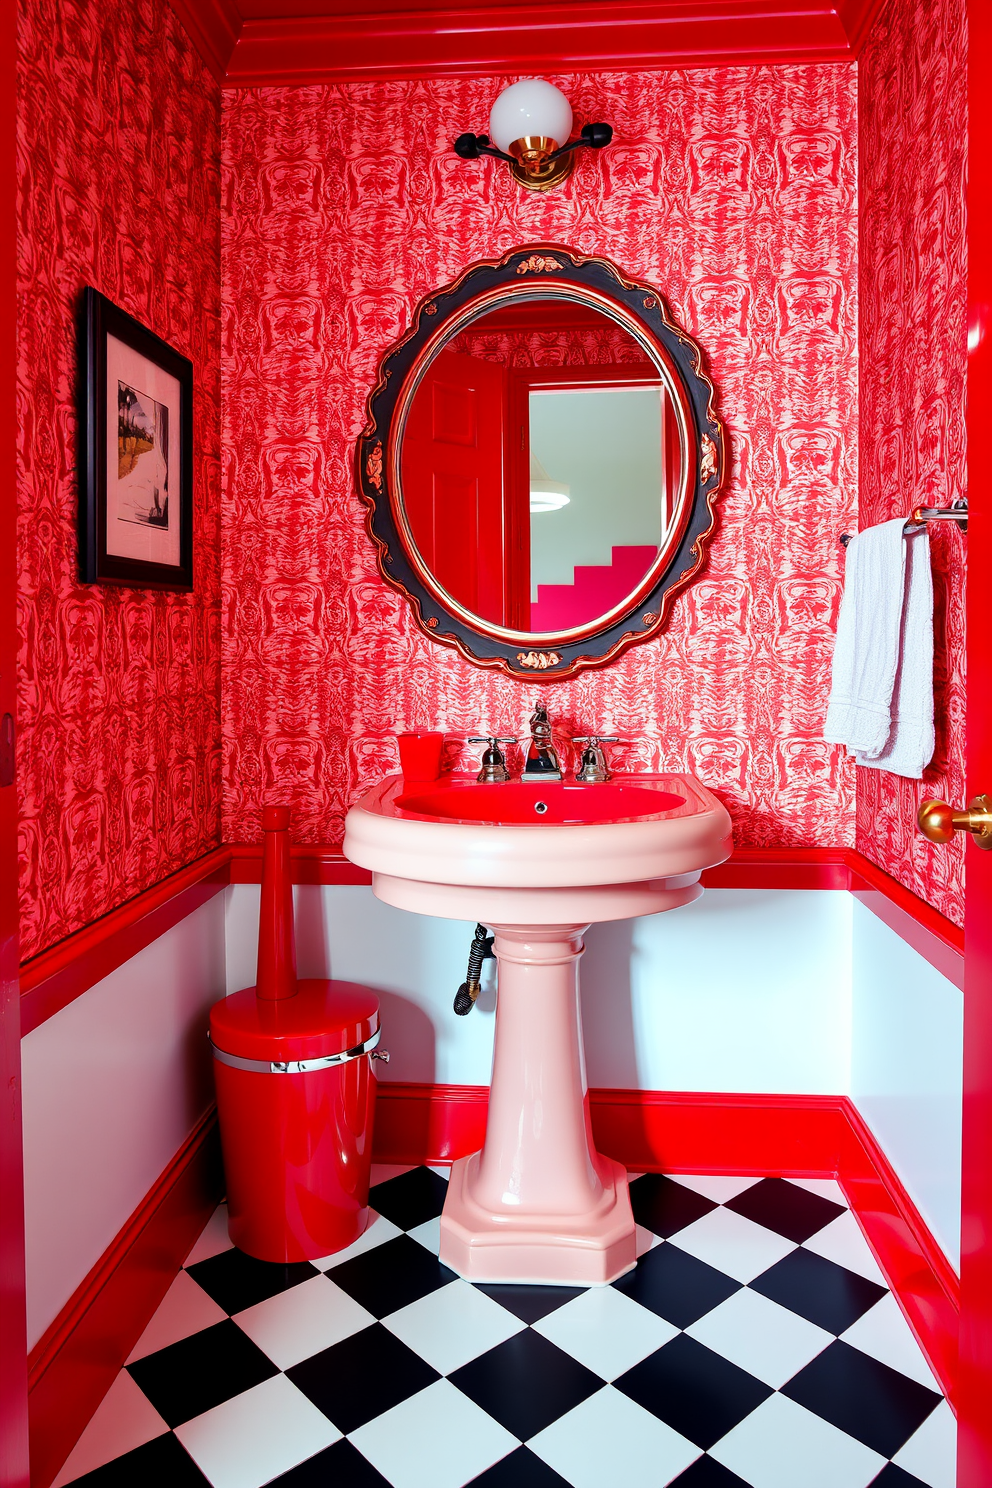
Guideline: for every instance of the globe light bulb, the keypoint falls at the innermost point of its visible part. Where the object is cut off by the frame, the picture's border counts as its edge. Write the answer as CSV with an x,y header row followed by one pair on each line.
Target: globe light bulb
x,y
532,109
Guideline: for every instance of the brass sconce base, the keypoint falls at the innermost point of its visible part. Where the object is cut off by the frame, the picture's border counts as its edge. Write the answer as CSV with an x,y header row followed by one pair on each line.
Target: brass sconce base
x,y
531,166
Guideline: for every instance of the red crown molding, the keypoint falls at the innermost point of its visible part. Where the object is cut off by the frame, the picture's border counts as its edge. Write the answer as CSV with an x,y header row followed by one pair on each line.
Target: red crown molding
x,y
857,17
276,45
589,37
213,27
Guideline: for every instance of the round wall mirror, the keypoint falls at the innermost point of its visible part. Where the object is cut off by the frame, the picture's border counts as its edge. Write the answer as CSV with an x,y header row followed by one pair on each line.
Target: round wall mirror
x,y
540,462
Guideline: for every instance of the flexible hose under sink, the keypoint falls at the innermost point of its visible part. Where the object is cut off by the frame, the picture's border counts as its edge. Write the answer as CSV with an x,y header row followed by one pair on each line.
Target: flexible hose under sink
x,y
481,950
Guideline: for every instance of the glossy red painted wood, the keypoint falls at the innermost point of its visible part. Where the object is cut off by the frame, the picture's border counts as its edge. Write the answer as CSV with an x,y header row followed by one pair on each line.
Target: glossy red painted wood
x,y
13,1376
790,1136
975,1437
56,977
920,1275
452,472
312,863
67,970
781,868
591,37
76,1361
260,42
214,27
276,975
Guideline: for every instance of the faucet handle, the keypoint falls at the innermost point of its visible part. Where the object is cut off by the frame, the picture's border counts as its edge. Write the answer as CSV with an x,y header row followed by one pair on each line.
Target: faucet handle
x,y
594,769
494,771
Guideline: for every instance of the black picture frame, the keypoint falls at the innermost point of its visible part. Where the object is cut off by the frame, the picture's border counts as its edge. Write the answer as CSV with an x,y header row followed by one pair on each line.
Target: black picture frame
x,y
99,320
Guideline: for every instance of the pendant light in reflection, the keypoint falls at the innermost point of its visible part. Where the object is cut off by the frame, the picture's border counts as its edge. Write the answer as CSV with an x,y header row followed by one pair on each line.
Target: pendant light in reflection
x,y
546,494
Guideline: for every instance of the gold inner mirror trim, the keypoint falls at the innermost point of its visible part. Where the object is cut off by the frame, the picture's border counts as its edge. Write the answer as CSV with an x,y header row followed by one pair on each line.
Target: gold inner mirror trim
x,y
516,294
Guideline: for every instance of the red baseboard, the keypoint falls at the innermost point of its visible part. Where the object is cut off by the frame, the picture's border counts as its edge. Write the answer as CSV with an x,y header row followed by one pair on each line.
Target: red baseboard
x,y
787,1136
73,1365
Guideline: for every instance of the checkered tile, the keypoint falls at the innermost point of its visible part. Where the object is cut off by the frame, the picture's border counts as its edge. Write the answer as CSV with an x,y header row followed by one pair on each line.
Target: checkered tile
x,y
755,1345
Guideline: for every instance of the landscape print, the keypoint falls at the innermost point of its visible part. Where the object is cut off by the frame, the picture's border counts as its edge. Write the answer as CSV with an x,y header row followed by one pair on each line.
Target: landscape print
x,y
142,458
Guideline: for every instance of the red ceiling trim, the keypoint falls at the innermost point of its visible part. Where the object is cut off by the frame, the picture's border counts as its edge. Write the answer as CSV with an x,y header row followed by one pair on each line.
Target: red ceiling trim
x,y
284,48
593,36
858,17
213,27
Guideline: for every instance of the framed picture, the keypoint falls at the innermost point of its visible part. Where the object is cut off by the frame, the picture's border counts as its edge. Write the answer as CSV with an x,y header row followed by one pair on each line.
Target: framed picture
x,y
136,453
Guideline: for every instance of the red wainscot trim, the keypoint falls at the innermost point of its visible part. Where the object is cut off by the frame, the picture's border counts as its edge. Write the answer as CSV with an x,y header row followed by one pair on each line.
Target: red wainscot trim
x,y
65,971
782,868
787,1136
935,937
56,977
74,1364
310,863
928,932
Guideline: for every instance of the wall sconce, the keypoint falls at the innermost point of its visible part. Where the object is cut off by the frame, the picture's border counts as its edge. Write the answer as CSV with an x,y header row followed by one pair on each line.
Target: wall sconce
x,y
529,127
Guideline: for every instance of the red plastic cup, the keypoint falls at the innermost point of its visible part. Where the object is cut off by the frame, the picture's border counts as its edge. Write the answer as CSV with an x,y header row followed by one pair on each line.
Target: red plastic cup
x,y
420,755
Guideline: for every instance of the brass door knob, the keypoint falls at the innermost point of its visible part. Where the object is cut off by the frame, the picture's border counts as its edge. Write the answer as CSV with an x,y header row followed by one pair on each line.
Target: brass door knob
x,y
938,822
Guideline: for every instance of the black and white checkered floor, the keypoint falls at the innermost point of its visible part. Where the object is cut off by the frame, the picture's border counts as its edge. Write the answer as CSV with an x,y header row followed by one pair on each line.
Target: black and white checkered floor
x,y
755,1343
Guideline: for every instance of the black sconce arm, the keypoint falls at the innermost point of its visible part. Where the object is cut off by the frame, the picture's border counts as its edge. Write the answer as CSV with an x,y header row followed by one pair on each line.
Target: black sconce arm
x,y
471,146
596,136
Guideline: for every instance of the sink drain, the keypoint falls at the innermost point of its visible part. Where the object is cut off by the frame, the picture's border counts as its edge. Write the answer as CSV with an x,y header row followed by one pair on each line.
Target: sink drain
x,y
541,807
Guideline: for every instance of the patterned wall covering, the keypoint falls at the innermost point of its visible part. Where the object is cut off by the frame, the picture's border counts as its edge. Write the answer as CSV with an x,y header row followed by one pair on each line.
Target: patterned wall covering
x,y
912,87
734,191
606,344
119,747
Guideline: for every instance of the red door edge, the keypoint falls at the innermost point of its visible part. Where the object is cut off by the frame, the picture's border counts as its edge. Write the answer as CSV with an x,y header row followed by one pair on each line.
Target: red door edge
x,y
13,1354
975,1389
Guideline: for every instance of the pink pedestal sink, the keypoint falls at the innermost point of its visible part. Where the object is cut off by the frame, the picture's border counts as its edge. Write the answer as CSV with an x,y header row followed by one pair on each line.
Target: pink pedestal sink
x,y
538,863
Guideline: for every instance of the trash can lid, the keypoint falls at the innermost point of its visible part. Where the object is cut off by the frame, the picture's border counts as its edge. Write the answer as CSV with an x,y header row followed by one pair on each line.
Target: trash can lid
x,y
324,1017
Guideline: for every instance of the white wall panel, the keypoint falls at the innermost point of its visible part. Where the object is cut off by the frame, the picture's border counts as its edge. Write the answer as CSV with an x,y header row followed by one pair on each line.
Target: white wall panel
x,y
113,1084
743,990
906,1063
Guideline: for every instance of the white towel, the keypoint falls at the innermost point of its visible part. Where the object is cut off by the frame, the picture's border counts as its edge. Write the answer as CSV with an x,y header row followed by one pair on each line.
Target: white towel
x,y
881,700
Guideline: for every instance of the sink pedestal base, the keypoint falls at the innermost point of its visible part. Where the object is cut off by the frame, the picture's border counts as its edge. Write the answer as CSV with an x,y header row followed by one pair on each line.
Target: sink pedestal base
x,y
538,1203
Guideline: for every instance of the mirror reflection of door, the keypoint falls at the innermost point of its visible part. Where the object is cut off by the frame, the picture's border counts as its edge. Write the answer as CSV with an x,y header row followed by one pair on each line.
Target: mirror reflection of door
x,y
541,466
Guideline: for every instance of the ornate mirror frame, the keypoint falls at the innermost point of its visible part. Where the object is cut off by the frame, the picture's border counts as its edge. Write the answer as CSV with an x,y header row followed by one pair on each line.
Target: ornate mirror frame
x,y
541,271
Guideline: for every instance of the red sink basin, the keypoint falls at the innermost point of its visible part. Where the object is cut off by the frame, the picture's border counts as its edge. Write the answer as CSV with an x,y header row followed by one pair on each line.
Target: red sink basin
x,y
554,803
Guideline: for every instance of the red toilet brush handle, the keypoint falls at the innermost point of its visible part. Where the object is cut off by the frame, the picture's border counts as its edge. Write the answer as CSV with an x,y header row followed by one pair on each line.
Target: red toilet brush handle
x,y
276,975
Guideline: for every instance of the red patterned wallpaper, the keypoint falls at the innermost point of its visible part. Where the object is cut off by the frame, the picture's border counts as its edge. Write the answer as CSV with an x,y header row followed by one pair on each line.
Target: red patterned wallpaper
x,y
913,339
119,743
734,190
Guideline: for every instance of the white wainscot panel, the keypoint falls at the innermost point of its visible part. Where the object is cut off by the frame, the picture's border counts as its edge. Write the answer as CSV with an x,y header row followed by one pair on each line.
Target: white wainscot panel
x,y
113,1084
415,963
743,990
907,1045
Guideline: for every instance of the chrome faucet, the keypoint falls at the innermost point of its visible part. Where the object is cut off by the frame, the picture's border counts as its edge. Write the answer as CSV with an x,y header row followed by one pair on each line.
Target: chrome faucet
x,y
494,771
594,769
542,757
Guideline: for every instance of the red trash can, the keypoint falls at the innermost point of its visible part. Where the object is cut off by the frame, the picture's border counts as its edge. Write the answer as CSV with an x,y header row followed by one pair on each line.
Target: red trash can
x,y
295,1089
